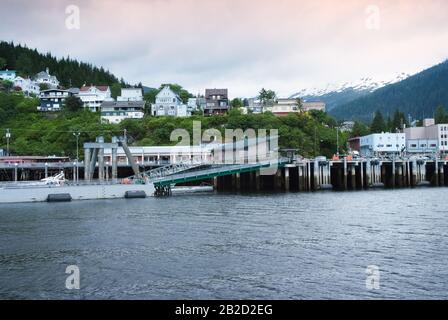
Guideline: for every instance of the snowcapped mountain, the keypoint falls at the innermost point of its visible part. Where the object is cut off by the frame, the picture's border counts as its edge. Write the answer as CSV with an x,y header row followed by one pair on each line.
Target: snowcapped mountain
x,y
337,94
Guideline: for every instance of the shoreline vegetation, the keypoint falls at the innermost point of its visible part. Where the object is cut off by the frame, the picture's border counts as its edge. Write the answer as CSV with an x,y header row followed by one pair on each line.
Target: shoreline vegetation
x,y
37,133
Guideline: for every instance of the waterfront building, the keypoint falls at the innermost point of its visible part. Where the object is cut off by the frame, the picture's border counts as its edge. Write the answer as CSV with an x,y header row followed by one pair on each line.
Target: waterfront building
x,y
169,104
431,138
117,111
355,144
163,155
382,144
53,99
217,101
27,86
44,77
93,96
131,94
8,75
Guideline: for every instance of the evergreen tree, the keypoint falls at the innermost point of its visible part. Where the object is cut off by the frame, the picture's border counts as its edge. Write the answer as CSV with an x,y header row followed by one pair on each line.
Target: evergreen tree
x,y
378,124
441,115
73,104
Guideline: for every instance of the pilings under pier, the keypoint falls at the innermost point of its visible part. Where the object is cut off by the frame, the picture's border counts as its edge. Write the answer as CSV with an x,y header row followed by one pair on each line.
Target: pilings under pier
x,y
361,174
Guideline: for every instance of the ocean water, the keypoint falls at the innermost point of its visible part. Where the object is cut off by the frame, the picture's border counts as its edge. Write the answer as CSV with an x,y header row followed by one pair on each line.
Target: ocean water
x,y
230,246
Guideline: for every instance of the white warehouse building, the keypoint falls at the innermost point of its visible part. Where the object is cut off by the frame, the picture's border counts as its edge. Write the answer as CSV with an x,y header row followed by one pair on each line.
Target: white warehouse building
x,y
382,144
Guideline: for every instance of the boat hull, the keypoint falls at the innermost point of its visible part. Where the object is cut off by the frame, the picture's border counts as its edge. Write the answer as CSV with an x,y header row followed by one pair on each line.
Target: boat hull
x,y
77,192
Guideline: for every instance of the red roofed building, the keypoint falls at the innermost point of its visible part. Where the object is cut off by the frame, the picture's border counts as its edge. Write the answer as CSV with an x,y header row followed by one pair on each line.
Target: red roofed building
x,y
93,96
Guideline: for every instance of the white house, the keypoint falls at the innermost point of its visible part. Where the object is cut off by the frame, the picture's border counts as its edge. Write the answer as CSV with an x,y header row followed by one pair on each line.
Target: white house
x,y
131,94
284,107
28,86
94,96
382,144
117,111
44,77
168,103
8,75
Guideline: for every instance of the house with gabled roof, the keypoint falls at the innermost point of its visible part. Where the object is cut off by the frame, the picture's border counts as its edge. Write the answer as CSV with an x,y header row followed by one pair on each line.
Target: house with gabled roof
x,y
169,104
44,77
93,96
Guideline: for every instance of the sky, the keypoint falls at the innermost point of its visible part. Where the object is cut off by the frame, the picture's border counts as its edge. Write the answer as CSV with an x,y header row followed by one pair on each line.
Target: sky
x,y
242,45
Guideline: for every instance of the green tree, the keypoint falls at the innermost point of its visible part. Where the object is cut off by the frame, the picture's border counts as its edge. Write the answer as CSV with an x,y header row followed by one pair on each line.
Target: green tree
x,y
150,96
441,115
237,103
7,85
399,121
378,124
267,97
3,63
115,90
44,86
73,104
299,104
359,130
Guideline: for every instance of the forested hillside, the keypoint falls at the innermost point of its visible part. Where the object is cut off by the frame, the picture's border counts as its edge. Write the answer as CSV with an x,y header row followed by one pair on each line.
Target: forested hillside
x,y
70,72
418,96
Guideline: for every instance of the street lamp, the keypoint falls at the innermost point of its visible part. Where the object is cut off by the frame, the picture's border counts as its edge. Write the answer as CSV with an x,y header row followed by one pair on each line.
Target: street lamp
x,y
8,136
76,135
337,141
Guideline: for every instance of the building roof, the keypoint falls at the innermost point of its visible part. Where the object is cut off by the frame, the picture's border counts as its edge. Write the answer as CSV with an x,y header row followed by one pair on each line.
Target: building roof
x,y
87,88
221,92
123,104
74,90
7,71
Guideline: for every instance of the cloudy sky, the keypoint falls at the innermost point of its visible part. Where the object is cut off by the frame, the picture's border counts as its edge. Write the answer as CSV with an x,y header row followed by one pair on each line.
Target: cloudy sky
x,y
243,45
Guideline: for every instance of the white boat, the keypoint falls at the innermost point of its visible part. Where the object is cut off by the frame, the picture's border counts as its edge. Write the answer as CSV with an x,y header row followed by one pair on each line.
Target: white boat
x,y
57,189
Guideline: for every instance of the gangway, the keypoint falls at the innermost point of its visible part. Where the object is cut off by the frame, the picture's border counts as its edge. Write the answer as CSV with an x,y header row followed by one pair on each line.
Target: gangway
x,y
216,171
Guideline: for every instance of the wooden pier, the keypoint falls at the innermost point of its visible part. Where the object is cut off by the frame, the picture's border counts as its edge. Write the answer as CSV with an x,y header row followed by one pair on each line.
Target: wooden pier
x,y
341,175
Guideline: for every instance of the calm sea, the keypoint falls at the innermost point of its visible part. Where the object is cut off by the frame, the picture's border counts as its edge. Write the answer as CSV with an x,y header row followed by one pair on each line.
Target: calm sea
x,y
230,246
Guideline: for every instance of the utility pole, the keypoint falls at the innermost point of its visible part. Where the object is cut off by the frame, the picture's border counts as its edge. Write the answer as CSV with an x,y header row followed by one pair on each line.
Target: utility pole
x,y
77,134
8,136
337,141
315,141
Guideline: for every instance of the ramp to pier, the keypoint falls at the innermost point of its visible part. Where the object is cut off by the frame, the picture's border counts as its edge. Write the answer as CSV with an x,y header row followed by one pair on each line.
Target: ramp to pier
x,y
216,171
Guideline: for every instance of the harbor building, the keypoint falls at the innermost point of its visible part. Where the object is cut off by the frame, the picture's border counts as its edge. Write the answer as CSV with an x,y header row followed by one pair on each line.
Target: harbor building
x,y
117,111
8,75
164,155
93,96
217,101
53,99
382,144
169,104
430,138
130,94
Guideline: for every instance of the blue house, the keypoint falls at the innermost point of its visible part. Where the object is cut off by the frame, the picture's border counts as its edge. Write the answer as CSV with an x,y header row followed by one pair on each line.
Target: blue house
x,y
9,75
